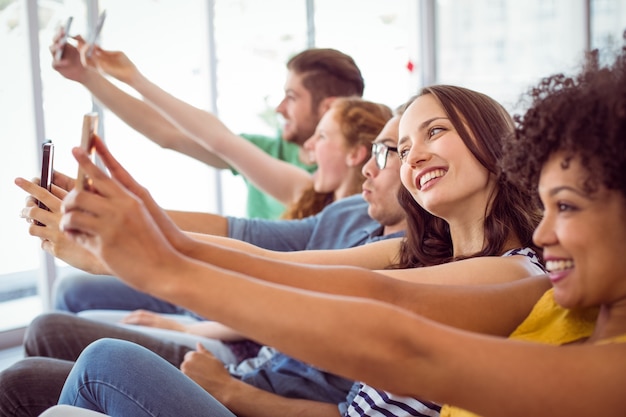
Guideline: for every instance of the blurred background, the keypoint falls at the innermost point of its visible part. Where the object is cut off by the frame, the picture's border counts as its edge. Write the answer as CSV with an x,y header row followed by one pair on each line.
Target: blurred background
x,y
229,56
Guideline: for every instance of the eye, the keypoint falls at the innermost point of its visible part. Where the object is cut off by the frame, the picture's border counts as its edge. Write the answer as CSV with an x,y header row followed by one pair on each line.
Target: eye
x,y
565,207
403,153
434,131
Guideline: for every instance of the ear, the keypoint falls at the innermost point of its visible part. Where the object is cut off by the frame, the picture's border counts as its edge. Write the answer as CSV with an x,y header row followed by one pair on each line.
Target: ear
x,y
325,105
357,155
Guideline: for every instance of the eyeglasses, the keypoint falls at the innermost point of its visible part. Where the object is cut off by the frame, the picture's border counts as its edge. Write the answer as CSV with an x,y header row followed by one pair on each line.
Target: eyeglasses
x,y
380,151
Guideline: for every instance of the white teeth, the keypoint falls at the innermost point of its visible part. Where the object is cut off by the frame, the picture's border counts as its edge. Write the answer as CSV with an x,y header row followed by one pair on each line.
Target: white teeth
x,y
559,265
431,175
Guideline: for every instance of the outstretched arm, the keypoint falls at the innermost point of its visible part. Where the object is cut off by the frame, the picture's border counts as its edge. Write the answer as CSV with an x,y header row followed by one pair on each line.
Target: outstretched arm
x,y
282,180
138,114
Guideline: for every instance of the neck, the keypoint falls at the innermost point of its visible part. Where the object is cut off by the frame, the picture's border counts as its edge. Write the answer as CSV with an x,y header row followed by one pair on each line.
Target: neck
x,y
611,321
351,185
394,228
467,238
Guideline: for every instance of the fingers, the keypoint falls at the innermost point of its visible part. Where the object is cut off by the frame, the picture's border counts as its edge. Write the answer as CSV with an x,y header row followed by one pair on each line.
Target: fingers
x,y
38,193
63,181
138,317
100,182
79,40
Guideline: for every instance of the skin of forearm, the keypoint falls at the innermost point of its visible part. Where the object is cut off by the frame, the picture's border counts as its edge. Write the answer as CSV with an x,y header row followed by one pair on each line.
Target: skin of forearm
x,y
206,223
247,401
179,113
214,330
341,280
258,167
146,120
273,315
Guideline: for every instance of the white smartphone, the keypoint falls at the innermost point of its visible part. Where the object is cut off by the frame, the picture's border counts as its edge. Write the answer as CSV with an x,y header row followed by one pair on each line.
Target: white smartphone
x,y
90,126
96,33
66,32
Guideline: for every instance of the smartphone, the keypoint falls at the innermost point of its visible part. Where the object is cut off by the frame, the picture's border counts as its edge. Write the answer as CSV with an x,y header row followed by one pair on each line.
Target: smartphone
x,y
66,32
46,171
90,126
96,33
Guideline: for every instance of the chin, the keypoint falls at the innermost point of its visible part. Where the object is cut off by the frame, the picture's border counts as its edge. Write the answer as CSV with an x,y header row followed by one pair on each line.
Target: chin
x,y
288,137
565,299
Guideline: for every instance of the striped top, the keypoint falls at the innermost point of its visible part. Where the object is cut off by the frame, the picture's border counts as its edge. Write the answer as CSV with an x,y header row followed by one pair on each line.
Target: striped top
x,y
364,400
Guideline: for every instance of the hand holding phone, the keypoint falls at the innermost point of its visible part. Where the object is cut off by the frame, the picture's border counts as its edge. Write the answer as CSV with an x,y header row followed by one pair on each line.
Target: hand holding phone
x,y
90,125
93,38
46,172
66,31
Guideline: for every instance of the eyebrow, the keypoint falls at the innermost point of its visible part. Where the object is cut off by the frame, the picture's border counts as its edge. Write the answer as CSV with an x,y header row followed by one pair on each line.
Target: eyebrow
x,y
422,126
557,190
385,141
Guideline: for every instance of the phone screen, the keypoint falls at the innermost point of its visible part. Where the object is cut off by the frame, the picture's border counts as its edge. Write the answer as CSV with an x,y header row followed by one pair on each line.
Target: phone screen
x,y
90,125
46,171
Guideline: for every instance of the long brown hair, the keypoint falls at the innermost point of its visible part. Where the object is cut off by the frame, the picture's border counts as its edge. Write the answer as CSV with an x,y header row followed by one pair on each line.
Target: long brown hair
x,y
483,125
360,123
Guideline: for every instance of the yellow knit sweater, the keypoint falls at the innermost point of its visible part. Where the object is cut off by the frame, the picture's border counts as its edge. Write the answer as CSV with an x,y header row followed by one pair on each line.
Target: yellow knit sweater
x,y
547,323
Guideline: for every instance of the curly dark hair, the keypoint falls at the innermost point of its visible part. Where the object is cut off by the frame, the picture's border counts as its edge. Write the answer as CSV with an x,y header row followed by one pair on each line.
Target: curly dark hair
x,y
583,116
482,124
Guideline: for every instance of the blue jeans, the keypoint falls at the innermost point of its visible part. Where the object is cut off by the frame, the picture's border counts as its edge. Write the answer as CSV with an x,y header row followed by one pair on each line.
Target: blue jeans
x,y
120,378
81,291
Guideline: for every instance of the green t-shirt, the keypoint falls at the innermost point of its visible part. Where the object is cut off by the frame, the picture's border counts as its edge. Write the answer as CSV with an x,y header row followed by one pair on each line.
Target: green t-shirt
x,y
259,204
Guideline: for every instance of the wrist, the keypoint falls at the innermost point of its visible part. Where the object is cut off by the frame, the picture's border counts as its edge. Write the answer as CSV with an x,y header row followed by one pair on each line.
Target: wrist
x,y
232,393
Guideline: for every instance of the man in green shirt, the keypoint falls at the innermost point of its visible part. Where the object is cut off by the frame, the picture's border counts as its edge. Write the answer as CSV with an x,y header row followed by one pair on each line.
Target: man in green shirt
x,y
315,78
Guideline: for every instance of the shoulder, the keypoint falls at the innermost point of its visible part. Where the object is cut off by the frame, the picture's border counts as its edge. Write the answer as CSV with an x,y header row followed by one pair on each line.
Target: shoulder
x,y
530,256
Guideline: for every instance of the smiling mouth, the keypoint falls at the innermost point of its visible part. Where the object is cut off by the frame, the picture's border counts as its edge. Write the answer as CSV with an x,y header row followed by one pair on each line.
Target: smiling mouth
x,y
559,265
431,176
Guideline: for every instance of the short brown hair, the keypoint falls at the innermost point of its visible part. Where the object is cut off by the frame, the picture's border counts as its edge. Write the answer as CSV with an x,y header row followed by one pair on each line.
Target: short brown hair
x,y
327,73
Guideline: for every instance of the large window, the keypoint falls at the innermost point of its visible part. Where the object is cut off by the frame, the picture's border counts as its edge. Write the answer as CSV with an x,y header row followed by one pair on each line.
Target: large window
x,y
253,42
19,252
382,37
502,47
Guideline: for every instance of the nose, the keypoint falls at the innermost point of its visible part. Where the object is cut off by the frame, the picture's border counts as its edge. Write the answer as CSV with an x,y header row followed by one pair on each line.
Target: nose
x,y
370,169
544,234
281,107
417,155
309,144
